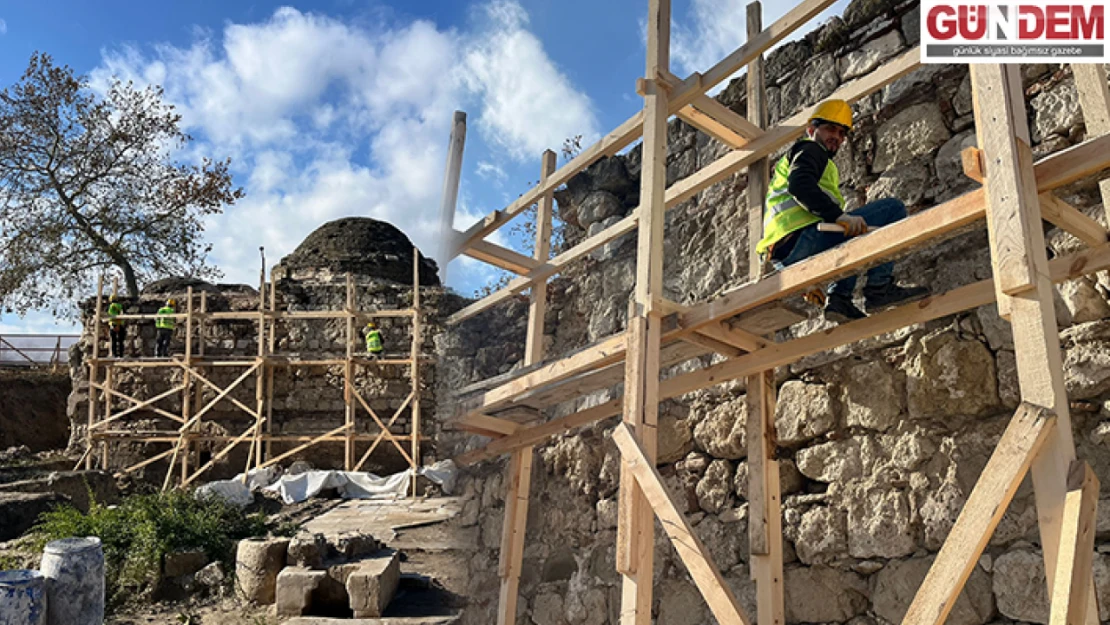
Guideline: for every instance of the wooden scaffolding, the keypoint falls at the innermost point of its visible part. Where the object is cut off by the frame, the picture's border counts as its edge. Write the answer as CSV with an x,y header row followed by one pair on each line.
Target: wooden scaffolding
x,y
1016,195
104,423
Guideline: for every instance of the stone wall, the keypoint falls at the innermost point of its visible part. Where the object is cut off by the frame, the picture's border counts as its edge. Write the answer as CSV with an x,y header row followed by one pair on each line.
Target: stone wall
x,y
306,400
881,441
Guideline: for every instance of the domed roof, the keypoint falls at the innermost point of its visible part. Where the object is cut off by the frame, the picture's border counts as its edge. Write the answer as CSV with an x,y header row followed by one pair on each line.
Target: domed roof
x,y
362,246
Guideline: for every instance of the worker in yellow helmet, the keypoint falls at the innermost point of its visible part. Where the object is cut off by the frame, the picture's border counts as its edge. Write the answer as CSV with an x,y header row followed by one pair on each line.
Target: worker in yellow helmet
x,y
374,345
165,324
115,326
805,191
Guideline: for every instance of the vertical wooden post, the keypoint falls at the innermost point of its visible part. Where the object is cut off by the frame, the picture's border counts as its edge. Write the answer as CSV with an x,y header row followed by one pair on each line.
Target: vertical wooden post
x,y
94,367
414,425
1022,285
519,481
764,500
191,447
270,370
1094,101
348,381
186,378
451,176
635,522
107,415
1074,568
263,367
764,488
757,171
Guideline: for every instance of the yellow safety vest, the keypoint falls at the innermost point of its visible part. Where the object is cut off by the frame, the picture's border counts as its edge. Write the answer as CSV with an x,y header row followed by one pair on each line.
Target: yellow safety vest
x,y
114,310
783,213
374,341
162,322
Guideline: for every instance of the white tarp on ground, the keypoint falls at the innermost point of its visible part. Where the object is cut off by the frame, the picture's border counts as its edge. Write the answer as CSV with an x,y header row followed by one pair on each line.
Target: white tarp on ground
x,y
349,484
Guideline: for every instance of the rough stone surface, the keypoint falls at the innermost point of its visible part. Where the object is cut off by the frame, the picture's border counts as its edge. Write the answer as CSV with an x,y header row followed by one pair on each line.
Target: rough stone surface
x,y
835,461
1019,586
861,61
870,397
803,412
307,550
20,511
722,433
257,564
895,586
951,376
879,524
830,595
1055,111
822,535
715,487
916,131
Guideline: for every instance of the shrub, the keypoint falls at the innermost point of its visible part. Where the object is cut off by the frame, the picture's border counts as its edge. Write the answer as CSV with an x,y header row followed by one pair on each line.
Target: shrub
x,y
137,535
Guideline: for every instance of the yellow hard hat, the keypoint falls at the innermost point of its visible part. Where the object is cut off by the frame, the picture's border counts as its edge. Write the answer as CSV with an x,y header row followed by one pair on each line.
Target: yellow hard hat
x,y
171,302
835,111
371,324
112,297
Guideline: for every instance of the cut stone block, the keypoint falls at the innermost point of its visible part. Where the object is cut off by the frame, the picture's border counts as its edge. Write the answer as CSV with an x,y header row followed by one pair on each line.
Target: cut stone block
x,y
372,585
257,564
295,586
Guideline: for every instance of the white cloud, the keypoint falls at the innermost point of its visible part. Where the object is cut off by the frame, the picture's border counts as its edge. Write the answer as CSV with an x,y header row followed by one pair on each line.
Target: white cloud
x,y
326,119
3,27
715,28
491,172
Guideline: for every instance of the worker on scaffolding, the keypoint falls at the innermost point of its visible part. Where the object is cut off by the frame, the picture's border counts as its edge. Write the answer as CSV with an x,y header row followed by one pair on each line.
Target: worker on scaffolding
x,y
805,191
115,326
165,322
374,345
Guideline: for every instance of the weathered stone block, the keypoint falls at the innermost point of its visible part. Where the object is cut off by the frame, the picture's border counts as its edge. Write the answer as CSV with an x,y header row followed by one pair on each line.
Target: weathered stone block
x,y
295,586
372,585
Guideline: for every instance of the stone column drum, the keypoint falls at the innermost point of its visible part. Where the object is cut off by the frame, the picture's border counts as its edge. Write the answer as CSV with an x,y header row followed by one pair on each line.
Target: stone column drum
x,y
22,598
74,571
257,564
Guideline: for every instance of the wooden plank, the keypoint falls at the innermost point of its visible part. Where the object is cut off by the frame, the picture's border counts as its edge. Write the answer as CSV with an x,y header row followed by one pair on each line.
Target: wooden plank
x,y
607,351
139,405
1070,219
689,547
779,354
721,131
1015,228
298,448
513,533
858,252
1004,156
1019,445
733,336
545,271
1078,161
713,344
1094,101
1069,603
486,425
387,431
502,257
452,173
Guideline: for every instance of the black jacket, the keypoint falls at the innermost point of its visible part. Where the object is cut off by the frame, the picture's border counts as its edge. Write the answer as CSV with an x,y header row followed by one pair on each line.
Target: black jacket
x,y
808,160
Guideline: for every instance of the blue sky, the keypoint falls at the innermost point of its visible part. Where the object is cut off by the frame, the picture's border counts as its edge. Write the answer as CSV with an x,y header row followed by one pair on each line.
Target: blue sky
x,y
332,108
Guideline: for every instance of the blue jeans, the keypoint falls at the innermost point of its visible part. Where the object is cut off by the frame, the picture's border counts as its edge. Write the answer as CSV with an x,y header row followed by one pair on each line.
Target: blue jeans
x,y
810,242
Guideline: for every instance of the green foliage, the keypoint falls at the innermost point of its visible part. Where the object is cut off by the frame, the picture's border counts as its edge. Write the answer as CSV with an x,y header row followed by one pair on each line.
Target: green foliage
x,y
137,534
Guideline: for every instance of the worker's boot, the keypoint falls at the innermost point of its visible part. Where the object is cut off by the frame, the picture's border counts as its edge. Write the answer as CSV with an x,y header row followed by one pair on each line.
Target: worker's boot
x,y
887,295
840,309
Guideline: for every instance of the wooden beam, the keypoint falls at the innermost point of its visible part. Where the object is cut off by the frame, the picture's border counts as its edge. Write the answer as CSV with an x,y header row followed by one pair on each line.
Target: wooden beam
x,y
734,336
719,122
764,500
608,351
384,432
501,257
1024,291
1025,436
486,425
779,354
1094,101
513,531
1053,209
757,170
689,547
1071,220
545,271
1069,603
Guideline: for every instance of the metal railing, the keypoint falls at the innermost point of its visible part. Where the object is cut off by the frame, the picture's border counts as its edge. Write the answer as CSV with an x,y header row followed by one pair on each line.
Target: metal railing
x,y
35,350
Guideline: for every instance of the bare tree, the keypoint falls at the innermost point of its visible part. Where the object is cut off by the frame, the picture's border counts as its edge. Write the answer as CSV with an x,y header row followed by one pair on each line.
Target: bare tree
x,y
89,182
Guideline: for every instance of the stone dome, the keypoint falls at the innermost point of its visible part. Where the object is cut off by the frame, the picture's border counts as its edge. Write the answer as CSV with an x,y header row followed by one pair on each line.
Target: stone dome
x,y
362,246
